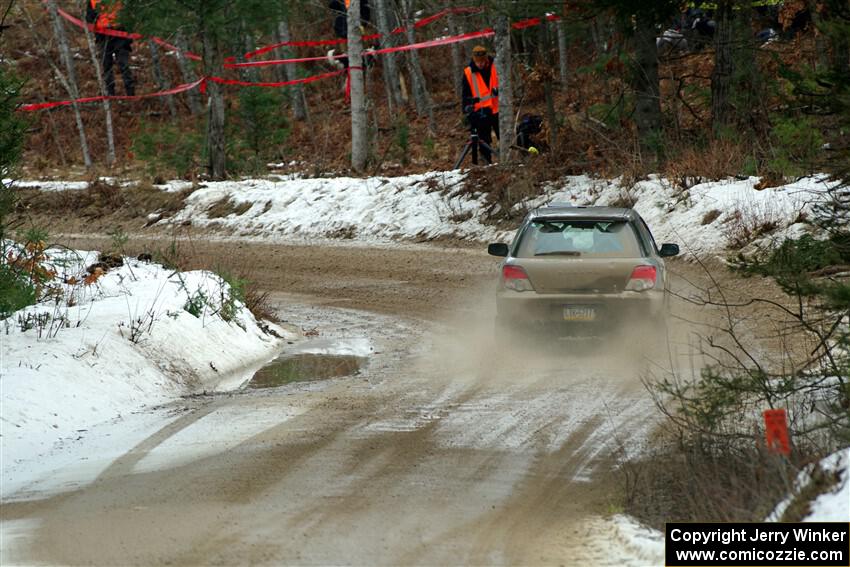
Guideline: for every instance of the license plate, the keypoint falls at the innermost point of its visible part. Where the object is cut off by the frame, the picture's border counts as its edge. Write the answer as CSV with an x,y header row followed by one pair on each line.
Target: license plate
x,y
583,313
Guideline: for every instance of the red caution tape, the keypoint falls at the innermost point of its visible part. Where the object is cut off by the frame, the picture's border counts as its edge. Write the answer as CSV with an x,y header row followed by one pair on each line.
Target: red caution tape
x,y
119,33
282,61
420,45
202,82
531,22
522,24
325,42
44,105
223,81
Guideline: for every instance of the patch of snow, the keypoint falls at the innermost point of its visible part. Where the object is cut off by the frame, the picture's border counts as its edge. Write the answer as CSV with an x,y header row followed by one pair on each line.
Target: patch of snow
x,y
202,438
834,505
49,185
350,346
105,350
646,544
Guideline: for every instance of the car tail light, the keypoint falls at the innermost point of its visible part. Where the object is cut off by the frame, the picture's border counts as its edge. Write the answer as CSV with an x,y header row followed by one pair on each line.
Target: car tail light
x,y
642,278
515,278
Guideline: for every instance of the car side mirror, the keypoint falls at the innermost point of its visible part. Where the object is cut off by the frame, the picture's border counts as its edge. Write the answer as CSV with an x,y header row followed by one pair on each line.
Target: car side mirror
x,y
668,250
498,249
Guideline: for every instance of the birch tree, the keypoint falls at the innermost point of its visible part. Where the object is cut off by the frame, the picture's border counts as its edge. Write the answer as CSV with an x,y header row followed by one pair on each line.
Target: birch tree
x,y
563,55
290,73
101,81
70,78
506,98
421,97
543,53
359,119
187,72
391,76
457,57
161,79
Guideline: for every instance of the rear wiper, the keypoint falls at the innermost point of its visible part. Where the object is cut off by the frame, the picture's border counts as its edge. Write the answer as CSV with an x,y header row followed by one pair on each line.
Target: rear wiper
x,y
559,253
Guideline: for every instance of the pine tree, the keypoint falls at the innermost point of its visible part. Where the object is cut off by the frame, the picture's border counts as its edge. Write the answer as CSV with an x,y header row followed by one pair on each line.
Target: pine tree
x,y
638,20
207,25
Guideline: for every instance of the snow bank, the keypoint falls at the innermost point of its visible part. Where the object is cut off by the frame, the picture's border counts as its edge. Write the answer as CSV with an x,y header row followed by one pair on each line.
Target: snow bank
x,y
707,218
344,207
831,506
126,341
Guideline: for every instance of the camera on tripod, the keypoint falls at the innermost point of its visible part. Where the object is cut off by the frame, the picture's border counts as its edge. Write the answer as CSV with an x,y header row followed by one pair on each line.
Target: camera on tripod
x,y
528,126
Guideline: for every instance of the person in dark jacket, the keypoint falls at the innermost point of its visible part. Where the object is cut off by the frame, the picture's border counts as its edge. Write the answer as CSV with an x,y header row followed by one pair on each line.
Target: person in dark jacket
x,y
340,7
480,97
111,48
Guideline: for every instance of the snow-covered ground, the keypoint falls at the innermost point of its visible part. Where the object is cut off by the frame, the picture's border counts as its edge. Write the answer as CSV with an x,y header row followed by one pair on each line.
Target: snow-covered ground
x,y
104,349
704,219
128,341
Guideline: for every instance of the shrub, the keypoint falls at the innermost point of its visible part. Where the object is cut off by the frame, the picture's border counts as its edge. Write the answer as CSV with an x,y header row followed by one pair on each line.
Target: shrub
x,y
16,292
258,132
168,149
794,148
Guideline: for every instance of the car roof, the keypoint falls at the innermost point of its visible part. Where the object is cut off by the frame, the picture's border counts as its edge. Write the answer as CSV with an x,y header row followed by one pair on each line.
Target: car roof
x,y
558,211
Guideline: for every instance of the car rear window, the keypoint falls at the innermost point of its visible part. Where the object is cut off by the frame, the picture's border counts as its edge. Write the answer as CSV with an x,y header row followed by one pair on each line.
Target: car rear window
x,y
579,238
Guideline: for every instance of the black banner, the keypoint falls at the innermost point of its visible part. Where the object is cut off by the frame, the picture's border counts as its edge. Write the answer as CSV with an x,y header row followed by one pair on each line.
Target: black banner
x,y
817,544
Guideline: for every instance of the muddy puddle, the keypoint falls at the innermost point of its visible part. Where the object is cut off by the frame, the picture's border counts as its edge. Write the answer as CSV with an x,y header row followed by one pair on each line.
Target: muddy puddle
x,y
306,368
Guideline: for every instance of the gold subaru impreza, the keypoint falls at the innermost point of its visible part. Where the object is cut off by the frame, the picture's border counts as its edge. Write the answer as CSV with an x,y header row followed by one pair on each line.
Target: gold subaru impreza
x,y
581,270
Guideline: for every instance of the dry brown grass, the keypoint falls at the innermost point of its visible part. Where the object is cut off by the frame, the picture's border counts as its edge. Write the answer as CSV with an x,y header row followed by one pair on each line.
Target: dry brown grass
x,y
102,200
681,483
226,206
693,165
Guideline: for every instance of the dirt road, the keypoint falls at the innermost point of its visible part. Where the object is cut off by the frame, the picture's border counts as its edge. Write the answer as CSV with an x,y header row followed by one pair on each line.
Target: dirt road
x,y
442,450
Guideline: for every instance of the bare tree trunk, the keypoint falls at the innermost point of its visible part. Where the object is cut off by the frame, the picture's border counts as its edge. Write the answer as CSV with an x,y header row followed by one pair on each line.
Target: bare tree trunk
x,y
391,79
71,81
421,97
161,80
296,92
250,74
544,53
722,111
216,144
107,106
188,73
359,118
646,86
562,52
457,58
840,54
59,147
506,99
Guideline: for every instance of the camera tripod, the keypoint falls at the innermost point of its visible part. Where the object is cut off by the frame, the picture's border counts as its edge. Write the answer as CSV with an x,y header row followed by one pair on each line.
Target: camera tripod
x,y
473,145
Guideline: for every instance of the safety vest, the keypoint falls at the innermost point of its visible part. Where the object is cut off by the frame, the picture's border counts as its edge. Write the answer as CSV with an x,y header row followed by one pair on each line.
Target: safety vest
x,y
106,17
482,91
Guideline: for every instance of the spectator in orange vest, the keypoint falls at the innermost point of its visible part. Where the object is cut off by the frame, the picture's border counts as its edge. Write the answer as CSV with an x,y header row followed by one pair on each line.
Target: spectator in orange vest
x,y
111,48
480,98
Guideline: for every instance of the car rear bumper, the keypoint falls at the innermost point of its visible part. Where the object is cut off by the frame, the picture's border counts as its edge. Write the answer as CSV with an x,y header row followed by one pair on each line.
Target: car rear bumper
x,y
576,313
